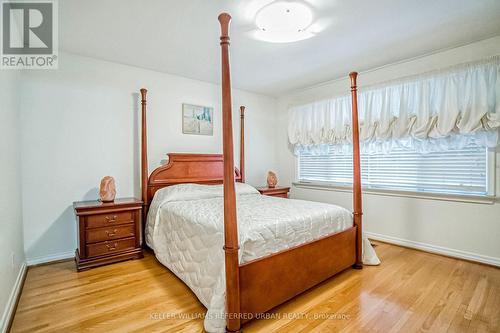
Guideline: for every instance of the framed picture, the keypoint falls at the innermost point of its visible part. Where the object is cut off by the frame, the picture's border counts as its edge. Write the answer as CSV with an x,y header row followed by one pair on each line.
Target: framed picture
x,y
197,119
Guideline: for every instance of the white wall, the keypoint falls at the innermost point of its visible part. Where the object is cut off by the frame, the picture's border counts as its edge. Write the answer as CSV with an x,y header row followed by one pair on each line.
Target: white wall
x,y
11,234
81,123
459,227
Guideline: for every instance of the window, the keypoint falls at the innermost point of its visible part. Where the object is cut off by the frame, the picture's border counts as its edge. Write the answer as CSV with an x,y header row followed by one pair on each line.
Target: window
x,y
459,171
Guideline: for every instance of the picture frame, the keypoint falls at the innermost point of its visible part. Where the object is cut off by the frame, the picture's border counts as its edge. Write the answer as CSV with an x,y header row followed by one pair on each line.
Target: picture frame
x,y
197,119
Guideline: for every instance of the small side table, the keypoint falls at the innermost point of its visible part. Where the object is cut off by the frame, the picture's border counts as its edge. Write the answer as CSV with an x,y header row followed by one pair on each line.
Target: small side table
x,y
108,232
280,192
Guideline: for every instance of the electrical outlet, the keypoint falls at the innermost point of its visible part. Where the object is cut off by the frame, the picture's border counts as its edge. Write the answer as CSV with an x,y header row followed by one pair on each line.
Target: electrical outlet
x,y
13,259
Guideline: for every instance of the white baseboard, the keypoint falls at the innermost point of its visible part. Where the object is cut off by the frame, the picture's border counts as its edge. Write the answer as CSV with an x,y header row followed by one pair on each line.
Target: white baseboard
x,y
11,302
49,258
435,249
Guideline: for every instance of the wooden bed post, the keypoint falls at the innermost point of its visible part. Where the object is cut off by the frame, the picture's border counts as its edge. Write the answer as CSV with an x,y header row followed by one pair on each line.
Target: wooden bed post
x,y
242,143
357,205
231,247
144,157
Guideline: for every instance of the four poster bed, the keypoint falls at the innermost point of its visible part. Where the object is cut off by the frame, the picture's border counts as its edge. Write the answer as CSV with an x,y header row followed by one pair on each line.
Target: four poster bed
x,y
278,248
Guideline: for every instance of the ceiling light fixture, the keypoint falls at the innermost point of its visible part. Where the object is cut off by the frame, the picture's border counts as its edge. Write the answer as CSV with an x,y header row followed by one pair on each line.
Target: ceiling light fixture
x,y
284,22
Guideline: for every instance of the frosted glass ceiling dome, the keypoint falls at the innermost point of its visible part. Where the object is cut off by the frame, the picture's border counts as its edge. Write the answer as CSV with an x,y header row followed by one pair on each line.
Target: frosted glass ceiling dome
x,y
284,22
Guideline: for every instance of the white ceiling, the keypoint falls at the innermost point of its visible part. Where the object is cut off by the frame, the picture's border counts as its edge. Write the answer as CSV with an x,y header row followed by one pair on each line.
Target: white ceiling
x,y
182,37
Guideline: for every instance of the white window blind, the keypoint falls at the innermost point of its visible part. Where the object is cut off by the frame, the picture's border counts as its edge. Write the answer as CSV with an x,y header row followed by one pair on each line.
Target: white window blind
x,y
458,171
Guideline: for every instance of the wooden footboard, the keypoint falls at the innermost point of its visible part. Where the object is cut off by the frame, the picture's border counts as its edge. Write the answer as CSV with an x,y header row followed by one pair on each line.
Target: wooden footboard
x,y
272,280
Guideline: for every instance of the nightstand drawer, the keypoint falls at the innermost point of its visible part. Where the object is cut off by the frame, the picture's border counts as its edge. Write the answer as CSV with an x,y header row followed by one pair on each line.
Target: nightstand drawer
x,y
105,220
110,233
110,247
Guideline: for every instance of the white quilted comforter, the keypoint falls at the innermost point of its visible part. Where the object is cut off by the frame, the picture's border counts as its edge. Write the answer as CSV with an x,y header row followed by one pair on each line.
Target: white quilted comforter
x,y
185,229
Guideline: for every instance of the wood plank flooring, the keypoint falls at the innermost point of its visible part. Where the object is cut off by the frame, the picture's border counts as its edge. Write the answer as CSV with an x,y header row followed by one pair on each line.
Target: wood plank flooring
x,y
411,291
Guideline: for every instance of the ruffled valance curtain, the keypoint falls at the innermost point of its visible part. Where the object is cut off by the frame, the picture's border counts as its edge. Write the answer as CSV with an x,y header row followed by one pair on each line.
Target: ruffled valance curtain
x,y
451,107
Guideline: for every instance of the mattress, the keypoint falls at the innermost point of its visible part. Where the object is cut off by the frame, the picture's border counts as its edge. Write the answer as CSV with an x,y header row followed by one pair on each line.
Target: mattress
x,y
185,228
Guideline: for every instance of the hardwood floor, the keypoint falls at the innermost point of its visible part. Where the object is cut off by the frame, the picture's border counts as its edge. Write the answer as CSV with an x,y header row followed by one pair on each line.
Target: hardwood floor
x,y
411,291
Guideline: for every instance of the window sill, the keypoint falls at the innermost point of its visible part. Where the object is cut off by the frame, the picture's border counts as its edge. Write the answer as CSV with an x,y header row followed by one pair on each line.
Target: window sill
x,y
395,193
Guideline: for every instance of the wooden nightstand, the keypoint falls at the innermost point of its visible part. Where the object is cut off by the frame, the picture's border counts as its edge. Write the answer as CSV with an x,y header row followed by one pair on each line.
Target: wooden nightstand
x,y
280,192
108,232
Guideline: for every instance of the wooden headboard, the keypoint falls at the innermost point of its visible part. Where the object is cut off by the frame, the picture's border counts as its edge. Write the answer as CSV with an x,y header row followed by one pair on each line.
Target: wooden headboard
x,y
184,168
188,168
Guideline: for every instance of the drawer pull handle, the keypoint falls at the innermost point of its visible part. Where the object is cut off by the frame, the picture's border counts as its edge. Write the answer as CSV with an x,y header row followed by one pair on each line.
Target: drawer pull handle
x,y
111,248
111,233
111,219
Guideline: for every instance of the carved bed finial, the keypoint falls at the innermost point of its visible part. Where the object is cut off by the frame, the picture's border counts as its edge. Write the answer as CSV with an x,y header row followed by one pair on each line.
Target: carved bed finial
x,y
353,76
224,20
144,92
